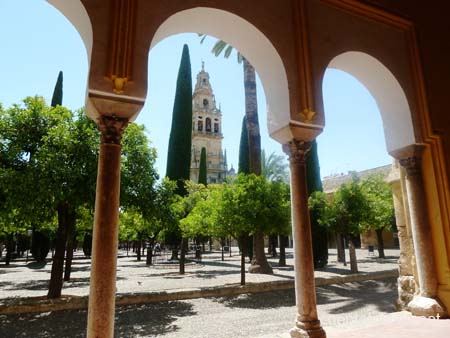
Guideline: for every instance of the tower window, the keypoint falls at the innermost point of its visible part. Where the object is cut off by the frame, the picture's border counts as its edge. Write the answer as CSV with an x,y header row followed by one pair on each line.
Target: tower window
x,y
216,127
204,81
200,126
208,124
205,103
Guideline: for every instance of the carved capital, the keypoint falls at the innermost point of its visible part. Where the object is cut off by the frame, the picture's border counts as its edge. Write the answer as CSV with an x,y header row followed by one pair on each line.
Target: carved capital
x,y
412,165
112,128
297,150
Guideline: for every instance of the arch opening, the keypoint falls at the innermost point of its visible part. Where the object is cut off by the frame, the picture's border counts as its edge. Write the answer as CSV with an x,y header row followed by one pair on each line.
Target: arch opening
x,y
387,92
249,41
75,12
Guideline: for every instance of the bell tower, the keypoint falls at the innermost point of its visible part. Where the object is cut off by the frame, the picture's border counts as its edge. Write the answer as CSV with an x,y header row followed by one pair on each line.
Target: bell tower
x,y
207,131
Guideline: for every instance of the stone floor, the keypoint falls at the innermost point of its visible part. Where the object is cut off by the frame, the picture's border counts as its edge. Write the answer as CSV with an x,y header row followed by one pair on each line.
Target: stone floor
x,y
361,309
396,325
22,279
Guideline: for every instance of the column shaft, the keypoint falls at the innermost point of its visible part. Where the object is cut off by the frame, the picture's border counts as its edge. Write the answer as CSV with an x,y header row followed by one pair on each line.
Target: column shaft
x,y
426,302
307,324
105,234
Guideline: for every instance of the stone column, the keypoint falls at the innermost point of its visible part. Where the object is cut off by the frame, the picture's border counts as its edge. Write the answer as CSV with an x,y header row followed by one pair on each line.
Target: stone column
x,y
406,283
307,323
102,292
425,303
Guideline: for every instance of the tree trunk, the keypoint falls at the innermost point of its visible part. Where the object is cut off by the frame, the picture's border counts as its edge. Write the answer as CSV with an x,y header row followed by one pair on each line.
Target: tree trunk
x,y
282,261
222,244
380,242
259,262
242,240
229,246
149,258
9,248
184,242
174,256
69,251
150,252
65,216
210,243
273,239
352,253
340,248
138,250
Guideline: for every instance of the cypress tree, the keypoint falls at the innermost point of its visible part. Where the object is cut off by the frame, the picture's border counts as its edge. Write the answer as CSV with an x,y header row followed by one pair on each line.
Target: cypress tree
x,y
245,241
244,165
179,152
202,172
58,91
318,232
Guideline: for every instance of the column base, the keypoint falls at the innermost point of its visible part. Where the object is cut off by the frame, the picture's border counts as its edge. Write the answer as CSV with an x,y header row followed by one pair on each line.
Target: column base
x,y
308,330
427,307
406,291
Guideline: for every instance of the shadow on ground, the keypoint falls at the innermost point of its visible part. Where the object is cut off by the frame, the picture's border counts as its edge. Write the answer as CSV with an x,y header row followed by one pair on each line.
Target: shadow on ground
x,y
137,320
353,296
345,297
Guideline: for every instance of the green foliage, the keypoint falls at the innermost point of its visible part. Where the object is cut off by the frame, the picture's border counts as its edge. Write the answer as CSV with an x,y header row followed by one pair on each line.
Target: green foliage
x,y
179,152
346,211
138,175
248,205
378,194
40,245
244,157
87,245
202,173
274,167
57,97
318,232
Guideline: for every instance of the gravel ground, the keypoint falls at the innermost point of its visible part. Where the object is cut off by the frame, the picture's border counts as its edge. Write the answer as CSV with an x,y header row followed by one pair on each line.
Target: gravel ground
x,y
259,315
23,279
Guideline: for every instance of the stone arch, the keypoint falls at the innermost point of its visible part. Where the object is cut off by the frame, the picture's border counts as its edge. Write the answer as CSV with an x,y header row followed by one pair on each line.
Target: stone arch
x,y
387,92
246,38
75,12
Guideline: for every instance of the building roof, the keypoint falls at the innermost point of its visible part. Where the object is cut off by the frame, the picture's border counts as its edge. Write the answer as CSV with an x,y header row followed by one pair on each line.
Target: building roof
x,y
334,182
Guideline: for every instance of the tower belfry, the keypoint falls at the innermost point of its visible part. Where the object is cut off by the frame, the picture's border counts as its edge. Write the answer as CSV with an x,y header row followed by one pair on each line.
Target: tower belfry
x,y
206,131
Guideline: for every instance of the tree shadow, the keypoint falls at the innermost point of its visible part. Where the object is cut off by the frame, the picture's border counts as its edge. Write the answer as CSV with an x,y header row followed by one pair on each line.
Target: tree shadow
x,y
354,296
278,299
346,297
36,265
131,321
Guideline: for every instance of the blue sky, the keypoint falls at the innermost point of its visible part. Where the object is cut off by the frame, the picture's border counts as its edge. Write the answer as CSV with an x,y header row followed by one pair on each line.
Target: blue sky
x,y
37,41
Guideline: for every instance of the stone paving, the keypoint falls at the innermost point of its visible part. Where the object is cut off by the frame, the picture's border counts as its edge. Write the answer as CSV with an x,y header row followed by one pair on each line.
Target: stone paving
x,y
361,309
23,279
267,315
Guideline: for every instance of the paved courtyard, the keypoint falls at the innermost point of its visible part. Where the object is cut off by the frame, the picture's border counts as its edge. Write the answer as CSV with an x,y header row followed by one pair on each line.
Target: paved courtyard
x,y
250,315
30,279
359,309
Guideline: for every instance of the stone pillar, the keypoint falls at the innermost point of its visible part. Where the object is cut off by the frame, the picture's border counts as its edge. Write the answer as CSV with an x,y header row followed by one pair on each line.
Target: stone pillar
x,y
425,303
307,323
102,292
406,283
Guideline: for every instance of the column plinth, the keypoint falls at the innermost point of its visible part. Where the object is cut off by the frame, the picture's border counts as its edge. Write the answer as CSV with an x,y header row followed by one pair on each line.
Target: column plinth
x,y
307,323
425,303
102,291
